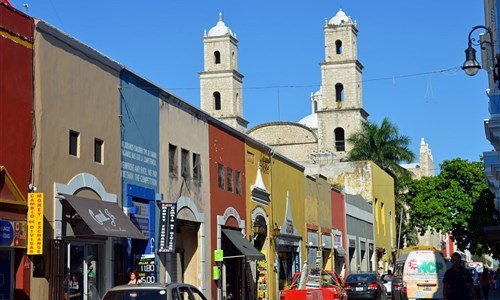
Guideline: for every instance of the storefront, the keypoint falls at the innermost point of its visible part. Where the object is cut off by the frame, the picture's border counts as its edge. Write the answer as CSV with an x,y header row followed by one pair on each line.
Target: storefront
x,y
14,264
95,240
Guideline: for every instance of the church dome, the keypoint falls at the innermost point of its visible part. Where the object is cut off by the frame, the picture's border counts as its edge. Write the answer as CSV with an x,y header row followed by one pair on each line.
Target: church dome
x,y
339,18
220,29
310,121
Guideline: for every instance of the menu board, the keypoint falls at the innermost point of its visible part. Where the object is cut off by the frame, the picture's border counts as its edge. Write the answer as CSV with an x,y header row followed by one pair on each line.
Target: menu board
x,y
146,267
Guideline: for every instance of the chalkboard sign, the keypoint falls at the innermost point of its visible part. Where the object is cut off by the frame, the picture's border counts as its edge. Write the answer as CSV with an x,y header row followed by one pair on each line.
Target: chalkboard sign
x,y
167,224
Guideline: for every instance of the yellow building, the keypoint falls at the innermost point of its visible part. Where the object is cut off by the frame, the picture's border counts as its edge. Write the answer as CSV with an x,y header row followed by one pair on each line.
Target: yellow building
x,y
318,218
384,209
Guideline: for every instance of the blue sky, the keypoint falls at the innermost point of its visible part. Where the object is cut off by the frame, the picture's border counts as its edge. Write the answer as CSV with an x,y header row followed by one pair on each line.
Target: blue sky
x,y
411,50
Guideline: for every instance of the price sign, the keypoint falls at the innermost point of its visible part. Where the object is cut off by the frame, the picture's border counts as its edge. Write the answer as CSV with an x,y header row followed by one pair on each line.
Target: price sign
x,y
146,267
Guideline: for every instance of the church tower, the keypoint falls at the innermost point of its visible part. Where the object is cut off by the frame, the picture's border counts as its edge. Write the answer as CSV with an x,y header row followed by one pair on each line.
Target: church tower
x,y
338,104
221,85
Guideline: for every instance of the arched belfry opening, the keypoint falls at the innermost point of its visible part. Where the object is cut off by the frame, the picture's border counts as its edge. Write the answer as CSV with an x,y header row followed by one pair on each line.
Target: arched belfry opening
x,y
339,139
338,47
217,101
217,57
339,92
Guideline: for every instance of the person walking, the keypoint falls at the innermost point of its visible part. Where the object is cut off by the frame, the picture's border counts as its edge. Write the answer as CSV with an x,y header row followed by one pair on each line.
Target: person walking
x,y
497,279
485,281
458,284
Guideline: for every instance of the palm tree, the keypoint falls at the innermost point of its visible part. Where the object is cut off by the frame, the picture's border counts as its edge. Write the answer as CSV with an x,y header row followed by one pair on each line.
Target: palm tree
x,y
382,145
387,148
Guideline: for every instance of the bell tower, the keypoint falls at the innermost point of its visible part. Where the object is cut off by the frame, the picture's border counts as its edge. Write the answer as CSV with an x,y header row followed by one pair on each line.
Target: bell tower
x,y
221,85
339,102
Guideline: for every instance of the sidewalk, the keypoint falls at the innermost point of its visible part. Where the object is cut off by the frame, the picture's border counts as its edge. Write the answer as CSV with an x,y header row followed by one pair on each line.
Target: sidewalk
x,y
494,295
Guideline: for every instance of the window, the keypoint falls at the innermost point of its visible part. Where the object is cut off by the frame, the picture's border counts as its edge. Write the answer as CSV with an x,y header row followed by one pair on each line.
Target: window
x,y
217,57
229,180
98,150
74,143
220,175
185,166
339,92
196,167
338,47
238,183
172,159
217,103
339,139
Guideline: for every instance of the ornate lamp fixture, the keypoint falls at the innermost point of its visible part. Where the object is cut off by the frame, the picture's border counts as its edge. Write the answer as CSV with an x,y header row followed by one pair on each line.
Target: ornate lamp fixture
x,y
471,66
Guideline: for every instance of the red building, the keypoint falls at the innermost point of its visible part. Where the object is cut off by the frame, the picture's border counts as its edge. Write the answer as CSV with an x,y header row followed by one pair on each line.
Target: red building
x,y
16,135
228,210
340,232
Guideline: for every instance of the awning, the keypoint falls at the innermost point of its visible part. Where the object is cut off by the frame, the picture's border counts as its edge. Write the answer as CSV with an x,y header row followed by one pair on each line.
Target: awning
x,y
101,218
242,244
340,251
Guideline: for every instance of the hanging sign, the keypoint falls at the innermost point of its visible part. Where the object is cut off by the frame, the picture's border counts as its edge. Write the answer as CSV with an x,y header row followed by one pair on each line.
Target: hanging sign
x,y
166,234
35,224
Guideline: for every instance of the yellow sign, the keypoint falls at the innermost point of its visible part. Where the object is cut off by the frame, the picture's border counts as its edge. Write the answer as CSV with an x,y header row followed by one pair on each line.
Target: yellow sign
x,y
35,224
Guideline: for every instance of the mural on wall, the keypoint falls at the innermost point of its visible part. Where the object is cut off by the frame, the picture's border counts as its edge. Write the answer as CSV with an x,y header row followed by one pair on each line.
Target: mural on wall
x,y
140,132
140,162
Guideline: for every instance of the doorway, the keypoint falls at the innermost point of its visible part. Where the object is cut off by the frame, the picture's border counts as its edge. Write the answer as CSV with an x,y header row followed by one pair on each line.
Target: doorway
x,y
84,270
6,267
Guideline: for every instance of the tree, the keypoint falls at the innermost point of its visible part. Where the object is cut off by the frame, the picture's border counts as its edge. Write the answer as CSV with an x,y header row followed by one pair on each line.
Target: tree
x,y
382,145
458,201
388,149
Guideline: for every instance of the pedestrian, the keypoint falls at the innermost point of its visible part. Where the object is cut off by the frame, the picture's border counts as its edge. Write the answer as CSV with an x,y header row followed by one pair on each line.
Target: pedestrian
x,y
497,279
458,284
486,282
134,277
75,287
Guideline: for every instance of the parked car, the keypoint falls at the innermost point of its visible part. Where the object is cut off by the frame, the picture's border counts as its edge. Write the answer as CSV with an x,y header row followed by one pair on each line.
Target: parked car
x,y
154,291
387,280
365,286
328,285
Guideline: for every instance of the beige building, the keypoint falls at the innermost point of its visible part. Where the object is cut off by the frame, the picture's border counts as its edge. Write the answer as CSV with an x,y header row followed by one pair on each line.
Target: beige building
x,y
75,146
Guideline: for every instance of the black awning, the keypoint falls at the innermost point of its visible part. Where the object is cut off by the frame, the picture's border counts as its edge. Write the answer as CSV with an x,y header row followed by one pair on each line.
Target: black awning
x,y
101,219
243,245
340,251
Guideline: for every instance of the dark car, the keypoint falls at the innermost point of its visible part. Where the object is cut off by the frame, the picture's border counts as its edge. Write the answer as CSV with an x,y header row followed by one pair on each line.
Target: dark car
x,y
154,291
365,286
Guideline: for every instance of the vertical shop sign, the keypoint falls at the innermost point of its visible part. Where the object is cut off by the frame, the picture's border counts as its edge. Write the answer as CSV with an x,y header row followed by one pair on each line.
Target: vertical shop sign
x,y
168,217
35,224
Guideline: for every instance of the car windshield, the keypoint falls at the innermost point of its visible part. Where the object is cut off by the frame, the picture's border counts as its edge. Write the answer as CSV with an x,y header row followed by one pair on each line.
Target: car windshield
x,y
137,294
361,278
327,280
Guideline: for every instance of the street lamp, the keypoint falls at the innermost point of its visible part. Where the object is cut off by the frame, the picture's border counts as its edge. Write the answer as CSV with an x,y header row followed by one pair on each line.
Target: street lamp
x,y
471,66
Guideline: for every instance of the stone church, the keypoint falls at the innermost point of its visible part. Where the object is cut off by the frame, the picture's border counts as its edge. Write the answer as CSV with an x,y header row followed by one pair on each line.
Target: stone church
x,y
319,140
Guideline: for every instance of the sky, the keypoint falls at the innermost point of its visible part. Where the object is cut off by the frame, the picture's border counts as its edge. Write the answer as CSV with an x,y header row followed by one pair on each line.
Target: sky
x,y
411,51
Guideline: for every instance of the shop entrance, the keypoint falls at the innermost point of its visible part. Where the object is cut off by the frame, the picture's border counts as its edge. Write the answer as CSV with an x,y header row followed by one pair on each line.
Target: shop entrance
x,y
6,267
83,270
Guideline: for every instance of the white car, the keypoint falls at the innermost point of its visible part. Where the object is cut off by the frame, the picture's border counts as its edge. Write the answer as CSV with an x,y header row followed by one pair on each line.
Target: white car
x,y
387,280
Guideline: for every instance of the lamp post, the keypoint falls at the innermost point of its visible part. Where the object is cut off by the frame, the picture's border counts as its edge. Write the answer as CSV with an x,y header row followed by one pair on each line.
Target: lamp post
x,y
471,66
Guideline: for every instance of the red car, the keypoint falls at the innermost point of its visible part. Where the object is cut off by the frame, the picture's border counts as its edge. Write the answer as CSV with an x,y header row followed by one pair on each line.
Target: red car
x,y
328,285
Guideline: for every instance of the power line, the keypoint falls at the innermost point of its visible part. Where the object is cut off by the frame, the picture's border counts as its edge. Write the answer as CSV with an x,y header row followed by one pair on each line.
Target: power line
x,y
392,78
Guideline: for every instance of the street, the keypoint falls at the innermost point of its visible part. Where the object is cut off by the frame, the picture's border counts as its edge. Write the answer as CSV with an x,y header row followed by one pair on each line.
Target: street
x,y
494,294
